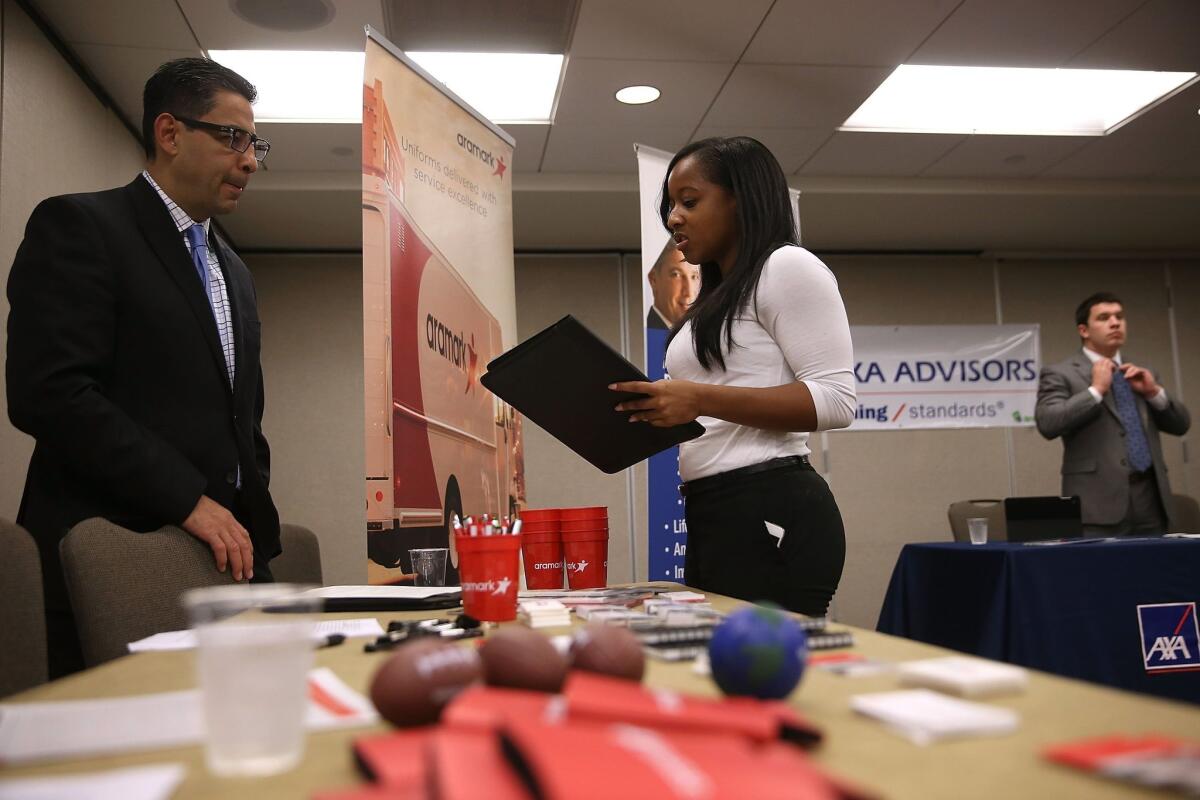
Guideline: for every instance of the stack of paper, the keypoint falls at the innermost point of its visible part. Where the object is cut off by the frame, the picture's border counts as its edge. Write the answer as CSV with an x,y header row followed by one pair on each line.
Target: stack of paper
x,y
544,613
966,677
682,597
186,640
84,728
157,782
922,716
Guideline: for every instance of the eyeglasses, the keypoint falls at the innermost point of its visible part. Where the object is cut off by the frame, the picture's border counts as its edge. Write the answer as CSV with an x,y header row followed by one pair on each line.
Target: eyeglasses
x,y
239,139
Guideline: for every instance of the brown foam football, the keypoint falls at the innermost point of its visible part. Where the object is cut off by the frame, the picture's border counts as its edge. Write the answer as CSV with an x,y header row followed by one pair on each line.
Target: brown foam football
x,y
522,659
608,650
412,686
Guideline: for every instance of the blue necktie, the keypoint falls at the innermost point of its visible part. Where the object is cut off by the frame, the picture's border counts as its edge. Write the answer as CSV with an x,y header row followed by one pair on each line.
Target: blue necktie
x,y
199,241
1135,437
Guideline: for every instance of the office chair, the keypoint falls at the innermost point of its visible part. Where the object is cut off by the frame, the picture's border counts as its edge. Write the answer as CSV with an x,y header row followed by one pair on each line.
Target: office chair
x,y
22,615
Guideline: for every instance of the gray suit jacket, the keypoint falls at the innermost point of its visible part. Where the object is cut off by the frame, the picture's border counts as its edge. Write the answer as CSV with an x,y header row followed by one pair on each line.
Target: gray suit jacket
x,y
1094,457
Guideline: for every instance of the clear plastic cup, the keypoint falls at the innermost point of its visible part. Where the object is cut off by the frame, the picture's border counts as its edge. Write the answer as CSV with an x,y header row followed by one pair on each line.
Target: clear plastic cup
x,y
977,528
253,655
429,565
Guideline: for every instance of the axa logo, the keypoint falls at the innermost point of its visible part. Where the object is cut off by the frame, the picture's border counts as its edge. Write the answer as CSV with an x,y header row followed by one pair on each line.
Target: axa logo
x,y
495,588
577,566
453,347
1170,637
486,156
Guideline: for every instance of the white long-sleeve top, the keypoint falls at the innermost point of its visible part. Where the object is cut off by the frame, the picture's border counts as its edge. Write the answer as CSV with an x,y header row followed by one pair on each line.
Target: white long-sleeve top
x,y
799,333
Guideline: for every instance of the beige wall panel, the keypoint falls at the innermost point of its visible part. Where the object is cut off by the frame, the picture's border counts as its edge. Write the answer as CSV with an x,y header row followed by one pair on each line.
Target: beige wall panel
x,y
1046,292
1185,282
588,287
894,487
311,311
635,283
55,138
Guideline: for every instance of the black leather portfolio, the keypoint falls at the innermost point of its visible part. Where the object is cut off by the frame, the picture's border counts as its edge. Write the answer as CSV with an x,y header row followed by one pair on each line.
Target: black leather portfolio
x,y
559,379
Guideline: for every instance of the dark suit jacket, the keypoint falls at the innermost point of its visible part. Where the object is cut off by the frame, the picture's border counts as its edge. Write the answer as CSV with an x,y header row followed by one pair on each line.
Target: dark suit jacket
x,y
1094,457
115,368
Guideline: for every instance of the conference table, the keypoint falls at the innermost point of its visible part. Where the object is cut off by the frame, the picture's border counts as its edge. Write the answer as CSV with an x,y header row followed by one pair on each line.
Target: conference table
x,y
1070,609
1052,710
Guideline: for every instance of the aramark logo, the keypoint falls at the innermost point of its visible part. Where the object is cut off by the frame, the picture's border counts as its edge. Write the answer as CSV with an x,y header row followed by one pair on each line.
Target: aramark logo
x,y
547,565
486,156
495,588
577,566
453,347
1170,637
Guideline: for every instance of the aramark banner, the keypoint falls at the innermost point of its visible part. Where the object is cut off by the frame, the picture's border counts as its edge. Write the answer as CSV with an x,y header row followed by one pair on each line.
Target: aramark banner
x,y
945,376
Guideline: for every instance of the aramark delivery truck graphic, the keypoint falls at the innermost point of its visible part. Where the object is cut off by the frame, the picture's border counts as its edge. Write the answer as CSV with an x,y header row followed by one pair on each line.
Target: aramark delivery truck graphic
x,y
437,442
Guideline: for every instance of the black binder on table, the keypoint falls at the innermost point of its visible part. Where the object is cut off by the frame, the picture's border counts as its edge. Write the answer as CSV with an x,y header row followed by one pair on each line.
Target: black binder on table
x,y
559,379
1036,519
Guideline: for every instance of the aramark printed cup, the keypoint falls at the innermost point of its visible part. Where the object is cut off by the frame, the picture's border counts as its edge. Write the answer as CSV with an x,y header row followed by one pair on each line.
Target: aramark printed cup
x,y
543,557
586,554
489,569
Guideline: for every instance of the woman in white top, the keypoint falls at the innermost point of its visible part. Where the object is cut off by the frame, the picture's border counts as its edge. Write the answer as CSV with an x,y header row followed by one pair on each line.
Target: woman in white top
x,y
761,358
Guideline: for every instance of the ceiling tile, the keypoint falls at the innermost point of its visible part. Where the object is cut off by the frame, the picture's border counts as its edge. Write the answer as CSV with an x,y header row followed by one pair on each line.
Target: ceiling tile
x,y
853,153
778,96
1164,142
131,23
531,143
850,32
219,28
983,156
1020,33
308,147
589,148
482,26
123,72
588,88
1161,35
791,146
666,30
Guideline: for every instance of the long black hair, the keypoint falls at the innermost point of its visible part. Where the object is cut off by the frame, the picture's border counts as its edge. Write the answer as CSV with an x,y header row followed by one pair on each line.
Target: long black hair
x,y
746,169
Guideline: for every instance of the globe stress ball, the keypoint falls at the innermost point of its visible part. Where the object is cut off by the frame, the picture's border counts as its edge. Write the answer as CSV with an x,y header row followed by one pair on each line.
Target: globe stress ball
x,y
758,652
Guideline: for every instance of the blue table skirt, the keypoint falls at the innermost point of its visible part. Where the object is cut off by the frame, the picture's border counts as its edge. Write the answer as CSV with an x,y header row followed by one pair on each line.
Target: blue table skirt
x,y
1068,609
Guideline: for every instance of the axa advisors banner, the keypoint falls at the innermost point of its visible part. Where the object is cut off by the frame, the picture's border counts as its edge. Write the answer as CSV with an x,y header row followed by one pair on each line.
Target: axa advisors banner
x,y
945,376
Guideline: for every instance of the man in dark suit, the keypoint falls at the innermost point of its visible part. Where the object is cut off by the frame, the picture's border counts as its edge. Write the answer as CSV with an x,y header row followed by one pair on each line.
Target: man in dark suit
x,y
133,346
1109,413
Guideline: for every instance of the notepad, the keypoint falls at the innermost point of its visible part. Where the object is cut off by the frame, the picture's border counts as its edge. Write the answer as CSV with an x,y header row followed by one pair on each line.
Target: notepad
x,y
186,640
156,782
924,717
967,677
559,379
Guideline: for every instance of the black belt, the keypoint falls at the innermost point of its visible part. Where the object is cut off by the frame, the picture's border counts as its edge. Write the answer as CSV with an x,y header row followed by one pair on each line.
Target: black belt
x,y
722,478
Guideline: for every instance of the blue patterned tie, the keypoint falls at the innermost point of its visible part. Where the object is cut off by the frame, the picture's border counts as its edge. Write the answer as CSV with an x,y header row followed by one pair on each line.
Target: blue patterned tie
x,y
199,241
1135,437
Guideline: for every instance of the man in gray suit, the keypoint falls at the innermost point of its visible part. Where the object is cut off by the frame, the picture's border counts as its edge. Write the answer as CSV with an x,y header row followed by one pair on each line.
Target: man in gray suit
x,y
1109,413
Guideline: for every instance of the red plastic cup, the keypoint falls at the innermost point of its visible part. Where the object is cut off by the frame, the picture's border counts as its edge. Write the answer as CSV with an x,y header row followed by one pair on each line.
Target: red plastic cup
x,y
587,512
586,556
540,527
543,557
539,515
489,568
580,525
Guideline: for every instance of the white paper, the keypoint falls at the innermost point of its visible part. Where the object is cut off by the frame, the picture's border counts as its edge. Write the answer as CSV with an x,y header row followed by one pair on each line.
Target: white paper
x,y
82,728
969,677
186,640
157,782
923,716
382,592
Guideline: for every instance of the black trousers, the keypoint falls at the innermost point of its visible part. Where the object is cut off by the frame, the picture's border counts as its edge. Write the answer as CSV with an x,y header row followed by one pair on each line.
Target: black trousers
x,y
732,551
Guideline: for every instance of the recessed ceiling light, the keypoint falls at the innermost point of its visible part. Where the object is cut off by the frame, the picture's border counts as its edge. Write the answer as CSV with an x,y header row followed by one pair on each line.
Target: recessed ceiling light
x,y
1006,100
299,85
504,87
637,95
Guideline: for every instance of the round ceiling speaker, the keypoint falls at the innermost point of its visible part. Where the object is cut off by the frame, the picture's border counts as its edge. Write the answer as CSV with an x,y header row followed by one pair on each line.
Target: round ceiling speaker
x,y
284,15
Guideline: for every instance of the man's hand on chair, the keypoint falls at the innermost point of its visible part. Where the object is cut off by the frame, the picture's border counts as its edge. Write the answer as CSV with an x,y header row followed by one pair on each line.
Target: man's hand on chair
x,y
211,523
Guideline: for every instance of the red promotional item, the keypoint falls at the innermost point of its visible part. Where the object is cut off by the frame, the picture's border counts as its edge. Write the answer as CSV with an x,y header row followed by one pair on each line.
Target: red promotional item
x,y
582,761
489,567
586,512
601,698
469,765
543,557
1164,762
487,708
586,554
529,515
398,760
